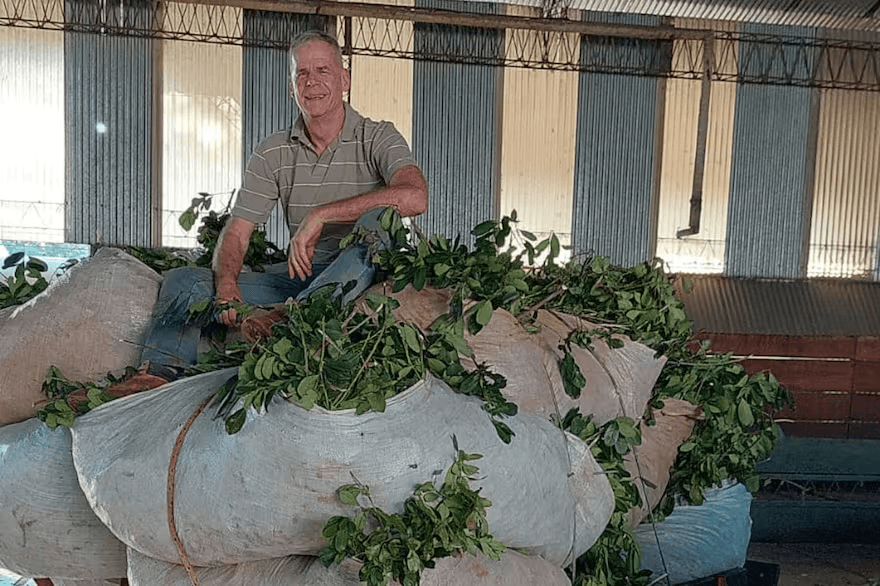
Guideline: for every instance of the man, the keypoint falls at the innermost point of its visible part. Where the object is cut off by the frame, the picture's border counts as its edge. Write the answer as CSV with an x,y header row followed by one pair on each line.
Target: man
x,y
332,168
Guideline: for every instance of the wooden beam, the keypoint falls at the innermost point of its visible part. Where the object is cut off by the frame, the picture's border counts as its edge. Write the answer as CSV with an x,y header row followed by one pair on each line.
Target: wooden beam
x,y
448,17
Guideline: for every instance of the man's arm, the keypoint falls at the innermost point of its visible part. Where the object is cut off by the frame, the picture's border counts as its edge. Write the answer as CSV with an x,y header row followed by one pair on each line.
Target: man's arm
x,y
407,192
227,263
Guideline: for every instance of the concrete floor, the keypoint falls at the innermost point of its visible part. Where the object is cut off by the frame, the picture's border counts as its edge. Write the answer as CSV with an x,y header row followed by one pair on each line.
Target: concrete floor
x,y
821,564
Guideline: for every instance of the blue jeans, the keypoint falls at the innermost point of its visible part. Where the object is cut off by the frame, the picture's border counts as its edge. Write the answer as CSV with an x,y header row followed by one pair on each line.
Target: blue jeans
x,y
172,340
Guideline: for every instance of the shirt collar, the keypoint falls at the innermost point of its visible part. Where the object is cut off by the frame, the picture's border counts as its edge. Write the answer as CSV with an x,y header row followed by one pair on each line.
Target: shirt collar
x,y
347,134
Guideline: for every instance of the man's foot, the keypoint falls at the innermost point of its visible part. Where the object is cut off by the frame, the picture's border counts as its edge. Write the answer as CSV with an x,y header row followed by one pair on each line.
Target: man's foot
x,y
144,379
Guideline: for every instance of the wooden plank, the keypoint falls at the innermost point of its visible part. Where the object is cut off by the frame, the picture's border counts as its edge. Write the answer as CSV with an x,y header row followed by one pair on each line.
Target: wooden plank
x,y
868,349
812,405
863,430
450,17
816,429
866,376
800,346
866,407
807,375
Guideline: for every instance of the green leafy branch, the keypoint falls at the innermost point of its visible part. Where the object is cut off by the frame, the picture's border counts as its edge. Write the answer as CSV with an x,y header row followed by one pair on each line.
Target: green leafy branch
x,y
58,412
615,558
25,283
339,357
436,523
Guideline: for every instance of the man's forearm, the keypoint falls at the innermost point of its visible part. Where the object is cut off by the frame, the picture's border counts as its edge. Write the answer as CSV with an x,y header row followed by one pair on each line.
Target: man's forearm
x,y
407,193
229,257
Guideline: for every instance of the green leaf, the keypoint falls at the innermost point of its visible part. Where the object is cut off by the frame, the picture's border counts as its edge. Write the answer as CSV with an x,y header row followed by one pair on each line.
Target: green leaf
x,y
572,377
483,312
744,413
187,219
411,338
235,422
348,494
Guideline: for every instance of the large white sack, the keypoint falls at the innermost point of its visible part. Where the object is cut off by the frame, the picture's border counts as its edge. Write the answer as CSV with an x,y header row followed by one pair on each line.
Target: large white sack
x,y
513,569
619,381
47,527
696,542
265,491
91,320
650,463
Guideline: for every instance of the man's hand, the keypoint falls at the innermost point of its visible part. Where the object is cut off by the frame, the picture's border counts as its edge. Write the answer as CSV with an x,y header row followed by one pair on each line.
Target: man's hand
x,y
302,245
228,293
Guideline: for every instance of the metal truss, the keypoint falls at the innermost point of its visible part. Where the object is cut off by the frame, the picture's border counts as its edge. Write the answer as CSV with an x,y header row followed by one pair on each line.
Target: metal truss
x,y
488,39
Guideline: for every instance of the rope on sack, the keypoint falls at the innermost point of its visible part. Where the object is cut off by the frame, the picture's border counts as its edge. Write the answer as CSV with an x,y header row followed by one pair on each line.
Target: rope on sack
x,y
571,548
172,471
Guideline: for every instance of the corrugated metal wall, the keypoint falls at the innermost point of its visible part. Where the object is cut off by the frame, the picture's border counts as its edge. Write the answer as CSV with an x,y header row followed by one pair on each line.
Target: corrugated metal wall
x,y
382,88
201,130
456,128
538,150
583,158
846,205
266,102
771,176
109,85
702,252
32,119
616,184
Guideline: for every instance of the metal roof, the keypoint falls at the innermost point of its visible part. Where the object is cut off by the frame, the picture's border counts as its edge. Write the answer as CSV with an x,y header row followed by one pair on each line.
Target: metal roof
x,y
811,307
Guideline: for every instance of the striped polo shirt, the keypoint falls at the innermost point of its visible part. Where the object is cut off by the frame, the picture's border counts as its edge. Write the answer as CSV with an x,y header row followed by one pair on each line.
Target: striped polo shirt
x,y
285,167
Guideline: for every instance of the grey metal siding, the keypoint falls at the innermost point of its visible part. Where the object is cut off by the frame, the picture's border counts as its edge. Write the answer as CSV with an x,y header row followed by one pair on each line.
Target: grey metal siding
x,y
109,126
456,125
266,102
771,170
617,159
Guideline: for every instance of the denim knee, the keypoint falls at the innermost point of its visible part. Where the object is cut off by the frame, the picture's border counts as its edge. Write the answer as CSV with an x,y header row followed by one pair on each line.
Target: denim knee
x,y
180,289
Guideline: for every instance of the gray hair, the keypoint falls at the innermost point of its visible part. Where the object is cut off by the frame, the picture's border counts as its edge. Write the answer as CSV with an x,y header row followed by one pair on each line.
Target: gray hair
x,y
303,39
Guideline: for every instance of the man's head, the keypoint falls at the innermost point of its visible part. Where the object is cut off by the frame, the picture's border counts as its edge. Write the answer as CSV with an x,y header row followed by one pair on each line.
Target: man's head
x,y
317,77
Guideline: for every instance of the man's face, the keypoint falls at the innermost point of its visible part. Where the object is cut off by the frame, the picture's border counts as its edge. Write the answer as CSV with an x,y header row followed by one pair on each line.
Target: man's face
x,y
319,81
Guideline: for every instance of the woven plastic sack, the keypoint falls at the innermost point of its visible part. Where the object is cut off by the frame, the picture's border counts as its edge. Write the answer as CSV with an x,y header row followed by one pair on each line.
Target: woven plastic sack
x,y
91,320
649,464
46,525
265,491
618,381
513,569
700,541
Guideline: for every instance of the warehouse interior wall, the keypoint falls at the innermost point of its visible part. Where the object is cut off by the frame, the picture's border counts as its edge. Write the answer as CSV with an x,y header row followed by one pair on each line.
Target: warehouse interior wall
x,y
522,147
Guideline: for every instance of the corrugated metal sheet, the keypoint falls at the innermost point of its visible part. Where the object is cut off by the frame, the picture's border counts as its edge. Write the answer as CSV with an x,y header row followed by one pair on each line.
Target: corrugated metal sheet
x,y
382,88
32,119
771,175
109,115
616,179
846,206
201,111
266,102
702,252
455,126
537,157
815,307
